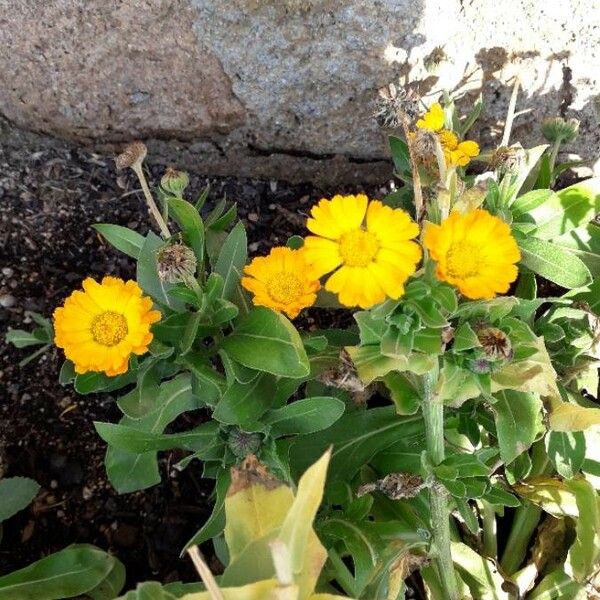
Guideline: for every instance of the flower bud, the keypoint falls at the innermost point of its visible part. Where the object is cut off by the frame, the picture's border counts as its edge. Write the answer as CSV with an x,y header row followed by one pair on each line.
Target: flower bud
x,y
174,181
132,156
559,129
242,443
176,263
508,159
495,343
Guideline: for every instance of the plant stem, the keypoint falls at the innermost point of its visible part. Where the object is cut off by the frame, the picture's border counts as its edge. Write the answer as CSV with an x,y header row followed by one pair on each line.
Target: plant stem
x,y
205,574
164,230
418,193
553,155
490,541
526,519
433,415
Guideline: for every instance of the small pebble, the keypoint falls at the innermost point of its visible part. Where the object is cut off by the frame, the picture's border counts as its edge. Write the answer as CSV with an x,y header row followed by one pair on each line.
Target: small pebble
x,y
6,301
253,217
7,272
86,493
53,484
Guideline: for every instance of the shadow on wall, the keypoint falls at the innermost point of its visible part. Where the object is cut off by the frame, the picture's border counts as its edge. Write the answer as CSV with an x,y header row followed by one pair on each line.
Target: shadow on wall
x,y
487,78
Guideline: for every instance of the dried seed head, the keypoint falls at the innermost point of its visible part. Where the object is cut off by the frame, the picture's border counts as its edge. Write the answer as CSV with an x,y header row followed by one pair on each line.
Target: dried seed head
x,y
133,155
507,159
424,145
176,263
242,443
394,106
434,59
495,343
395,486
559,129
174,181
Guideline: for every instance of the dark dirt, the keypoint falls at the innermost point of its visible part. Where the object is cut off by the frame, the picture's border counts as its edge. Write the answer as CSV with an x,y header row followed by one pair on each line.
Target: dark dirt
x,y
48,202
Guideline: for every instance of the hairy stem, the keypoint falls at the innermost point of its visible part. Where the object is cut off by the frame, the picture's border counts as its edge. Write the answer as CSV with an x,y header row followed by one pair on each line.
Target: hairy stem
x,y
433,415
164,230
512,105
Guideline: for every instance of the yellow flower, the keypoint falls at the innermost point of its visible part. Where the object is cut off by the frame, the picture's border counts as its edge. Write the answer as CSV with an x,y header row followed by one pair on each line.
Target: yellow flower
x,y
369,242
433,119
282,281
100,327
476,252
457,153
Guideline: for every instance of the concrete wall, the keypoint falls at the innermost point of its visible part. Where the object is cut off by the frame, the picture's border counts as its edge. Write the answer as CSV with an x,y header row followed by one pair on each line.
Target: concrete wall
x,y
285,88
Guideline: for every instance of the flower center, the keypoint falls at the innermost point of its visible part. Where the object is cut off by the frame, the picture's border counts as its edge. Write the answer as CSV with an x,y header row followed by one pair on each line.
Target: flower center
x,y
358,248
109,328
284,287
463,260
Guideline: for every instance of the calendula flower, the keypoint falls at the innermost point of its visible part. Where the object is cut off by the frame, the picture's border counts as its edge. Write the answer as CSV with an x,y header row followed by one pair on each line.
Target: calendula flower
x,y
457,154
433,119
367,244
101,326
476,252
282,281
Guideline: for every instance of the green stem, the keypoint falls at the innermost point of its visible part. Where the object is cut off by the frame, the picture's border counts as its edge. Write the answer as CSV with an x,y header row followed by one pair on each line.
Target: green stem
x,y
164,229
490,541
526,519
553,155
433,415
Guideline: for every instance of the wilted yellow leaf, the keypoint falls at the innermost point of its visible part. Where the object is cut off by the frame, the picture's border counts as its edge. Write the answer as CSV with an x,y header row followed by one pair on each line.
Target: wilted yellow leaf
x,y
552,495
261,590
571,417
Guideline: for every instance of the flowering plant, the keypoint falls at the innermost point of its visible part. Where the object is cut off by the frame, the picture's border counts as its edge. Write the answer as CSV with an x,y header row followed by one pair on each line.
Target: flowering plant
x,y
462,400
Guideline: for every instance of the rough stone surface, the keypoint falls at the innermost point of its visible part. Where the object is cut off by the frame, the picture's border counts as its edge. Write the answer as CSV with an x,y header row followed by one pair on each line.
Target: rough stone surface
x,y
285,88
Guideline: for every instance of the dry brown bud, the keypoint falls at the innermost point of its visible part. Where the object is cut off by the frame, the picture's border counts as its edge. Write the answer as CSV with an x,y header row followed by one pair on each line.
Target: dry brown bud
x,y
133,155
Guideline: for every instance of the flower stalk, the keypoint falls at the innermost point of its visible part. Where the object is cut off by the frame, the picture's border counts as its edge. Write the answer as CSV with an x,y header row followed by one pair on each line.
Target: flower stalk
x,y
433,416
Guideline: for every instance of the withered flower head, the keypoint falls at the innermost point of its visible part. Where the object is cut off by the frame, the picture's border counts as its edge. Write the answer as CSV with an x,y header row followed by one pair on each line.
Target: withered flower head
x,y
174,181
434,59
424,145
559,129
395,106
176,263
507,159
132,156
495,343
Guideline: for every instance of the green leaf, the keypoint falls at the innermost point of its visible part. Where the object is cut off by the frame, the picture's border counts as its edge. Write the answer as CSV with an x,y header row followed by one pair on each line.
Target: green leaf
x,y
129,471
23,339
230,265
558,586
93,382
403,393
189,220
135,441
518,421
211,384
566,450
356,437
584,553
147,274
216,522
553,262
566,210
584,242
528,202
150,590
400,156
266,341
243,404
479,573
304,416
16,493
498,496
591,297
74,571
465,338
122,238
371,329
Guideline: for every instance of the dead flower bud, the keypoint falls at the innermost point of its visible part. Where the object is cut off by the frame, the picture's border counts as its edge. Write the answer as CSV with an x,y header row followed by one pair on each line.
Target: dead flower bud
x,y
176,263
424,145
496,344
557,129
174,181
395,106
434,59
132,156
395,486
507,159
